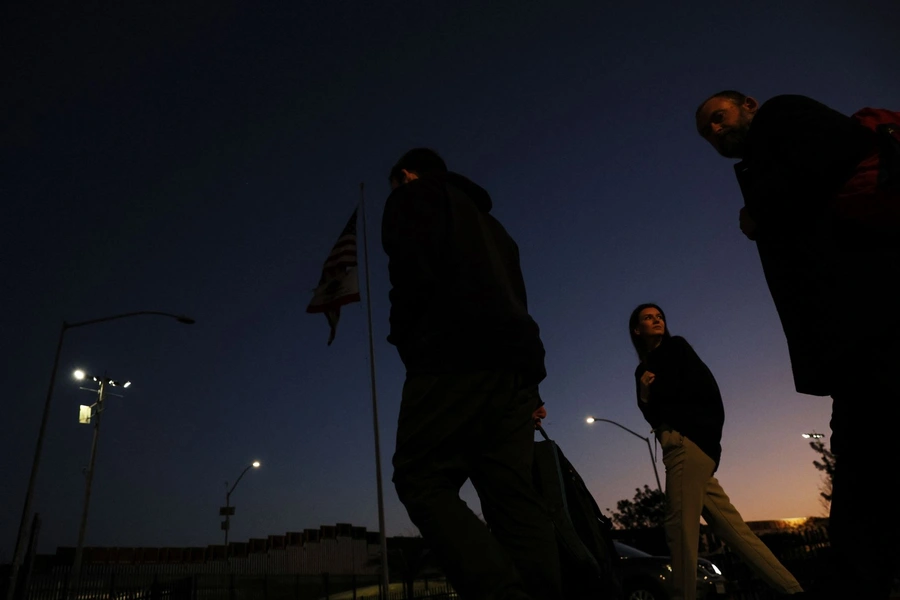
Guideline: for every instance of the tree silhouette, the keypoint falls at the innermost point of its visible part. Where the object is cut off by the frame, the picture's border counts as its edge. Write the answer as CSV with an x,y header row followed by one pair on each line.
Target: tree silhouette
x,y
645,511
826,465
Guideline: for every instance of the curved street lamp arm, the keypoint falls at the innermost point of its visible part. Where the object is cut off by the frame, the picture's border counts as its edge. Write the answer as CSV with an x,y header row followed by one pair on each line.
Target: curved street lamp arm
x,y
238,480
623,427
649,447
180,318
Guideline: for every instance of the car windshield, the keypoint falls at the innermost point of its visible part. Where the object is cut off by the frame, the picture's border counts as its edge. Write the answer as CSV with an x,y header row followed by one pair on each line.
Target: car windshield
x,y
629,551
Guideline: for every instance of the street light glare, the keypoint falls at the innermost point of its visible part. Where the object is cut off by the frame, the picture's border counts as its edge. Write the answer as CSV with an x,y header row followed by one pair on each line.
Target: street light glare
x,y
590,419
78,374
255,464
126,384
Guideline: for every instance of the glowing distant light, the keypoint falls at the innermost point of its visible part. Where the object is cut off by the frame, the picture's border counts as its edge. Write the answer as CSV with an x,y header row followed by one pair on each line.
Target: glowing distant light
x,y
590,419
78,374
255,464
126,384
815,436
795,522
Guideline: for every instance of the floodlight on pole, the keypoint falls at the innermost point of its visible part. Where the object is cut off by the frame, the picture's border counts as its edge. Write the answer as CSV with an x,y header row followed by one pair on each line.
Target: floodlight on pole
x,y
813,435
35,464
92,413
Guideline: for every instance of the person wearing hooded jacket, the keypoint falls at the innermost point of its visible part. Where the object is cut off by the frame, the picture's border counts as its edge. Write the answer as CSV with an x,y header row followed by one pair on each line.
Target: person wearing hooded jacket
x,y
474,359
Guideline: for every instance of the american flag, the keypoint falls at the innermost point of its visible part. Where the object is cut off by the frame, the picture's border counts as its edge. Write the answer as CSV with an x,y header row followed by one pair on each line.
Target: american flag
x,y
339,284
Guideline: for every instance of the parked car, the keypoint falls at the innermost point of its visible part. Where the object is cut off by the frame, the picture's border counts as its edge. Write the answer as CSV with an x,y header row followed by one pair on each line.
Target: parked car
x,y
648,577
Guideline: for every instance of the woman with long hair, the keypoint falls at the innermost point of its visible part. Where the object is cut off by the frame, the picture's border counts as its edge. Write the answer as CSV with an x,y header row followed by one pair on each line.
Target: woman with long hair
x,y
679,397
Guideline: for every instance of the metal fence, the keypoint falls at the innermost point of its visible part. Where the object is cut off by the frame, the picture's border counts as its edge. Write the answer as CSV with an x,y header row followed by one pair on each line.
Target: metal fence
x,y
800,550
111,584
420,590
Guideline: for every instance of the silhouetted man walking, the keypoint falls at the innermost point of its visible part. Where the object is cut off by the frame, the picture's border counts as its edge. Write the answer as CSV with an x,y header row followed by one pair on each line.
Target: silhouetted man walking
x,y
473,358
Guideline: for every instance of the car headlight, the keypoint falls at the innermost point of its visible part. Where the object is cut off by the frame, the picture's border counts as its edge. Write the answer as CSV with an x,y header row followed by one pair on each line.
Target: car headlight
x,y
708,568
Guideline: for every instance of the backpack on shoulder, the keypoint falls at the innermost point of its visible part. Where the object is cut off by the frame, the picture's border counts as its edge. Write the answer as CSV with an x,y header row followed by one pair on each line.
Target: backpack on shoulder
x,y
869,202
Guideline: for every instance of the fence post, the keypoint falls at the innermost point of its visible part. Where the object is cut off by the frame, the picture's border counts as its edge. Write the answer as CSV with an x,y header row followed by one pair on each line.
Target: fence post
x,y
24,582
67,581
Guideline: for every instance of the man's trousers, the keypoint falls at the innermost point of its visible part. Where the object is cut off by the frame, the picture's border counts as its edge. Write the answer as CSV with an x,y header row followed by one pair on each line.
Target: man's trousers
x,y
477,426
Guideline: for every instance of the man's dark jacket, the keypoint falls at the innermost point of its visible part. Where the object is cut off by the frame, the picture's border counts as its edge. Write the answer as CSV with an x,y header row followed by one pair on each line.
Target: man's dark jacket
x,y
458,301
798,155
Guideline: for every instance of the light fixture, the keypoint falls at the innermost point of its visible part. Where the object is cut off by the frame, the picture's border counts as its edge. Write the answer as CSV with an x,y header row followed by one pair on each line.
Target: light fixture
x,y
590,419
78,374
255,464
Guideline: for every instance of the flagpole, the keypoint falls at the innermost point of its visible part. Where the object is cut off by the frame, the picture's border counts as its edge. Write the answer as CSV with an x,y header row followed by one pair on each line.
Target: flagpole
x,y
385,579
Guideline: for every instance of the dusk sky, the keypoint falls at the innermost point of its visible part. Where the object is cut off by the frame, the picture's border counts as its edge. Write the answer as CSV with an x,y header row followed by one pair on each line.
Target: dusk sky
x,y
201,158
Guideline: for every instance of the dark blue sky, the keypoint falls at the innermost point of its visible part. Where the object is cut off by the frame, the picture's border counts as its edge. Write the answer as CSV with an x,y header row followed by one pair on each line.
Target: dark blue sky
x,y
202,157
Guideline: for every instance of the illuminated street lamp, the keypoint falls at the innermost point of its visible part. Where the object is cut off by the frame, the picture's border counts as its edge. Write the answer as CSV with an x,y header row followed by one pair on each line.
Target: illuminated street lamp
x,y
86,415
591,420
813,435
227,511
35,464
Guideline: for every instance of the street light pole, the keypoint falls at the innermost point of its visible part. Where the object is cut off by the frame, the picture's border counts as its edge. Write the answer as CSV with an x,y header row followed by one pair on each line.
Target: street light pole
x,y
646,439
35,464
76,565
228,508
